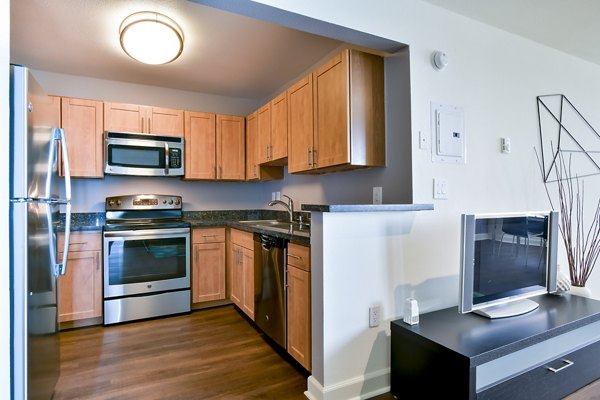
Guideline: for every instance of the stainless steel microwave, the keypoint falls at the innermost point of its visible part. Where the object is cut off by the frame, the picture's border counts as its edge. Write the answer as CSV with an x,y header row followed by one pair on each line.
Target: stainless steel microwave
x,y
143,154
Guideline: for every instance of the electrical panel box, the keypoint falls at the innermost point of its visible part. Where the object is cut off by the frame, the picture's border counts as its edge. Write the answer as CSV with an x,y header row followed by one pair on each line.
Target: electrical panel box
x,y
448,134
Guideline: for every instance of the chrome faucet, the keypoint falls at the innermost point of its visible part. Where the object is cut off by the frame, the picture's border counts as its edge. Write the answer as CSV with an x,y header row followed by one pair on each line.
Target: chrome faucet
x,y
289,206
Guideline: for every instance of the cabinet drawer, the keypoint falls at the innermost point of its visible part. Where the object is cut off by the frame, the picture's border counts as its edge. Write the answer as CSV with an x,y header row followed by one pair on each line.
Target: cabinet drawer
x,y
81,241
299,256
244,239
542,383
208,235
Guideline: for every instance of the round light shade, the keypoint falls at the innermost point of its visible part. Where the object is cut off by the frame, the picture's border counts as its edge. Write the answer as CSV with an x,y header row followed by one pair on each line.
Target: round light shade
x,y
151,38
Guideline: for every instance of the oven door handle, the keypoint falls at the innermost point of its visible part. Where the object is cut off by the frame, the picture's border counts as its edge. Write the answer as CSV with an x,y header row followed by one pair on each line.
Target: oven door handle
x,y
148,233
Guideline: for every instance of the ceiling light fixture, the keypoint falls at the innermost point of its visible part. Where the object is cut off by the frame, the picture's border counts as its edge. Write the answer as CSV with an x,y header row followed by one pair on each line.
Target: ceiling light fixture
x,y
151,38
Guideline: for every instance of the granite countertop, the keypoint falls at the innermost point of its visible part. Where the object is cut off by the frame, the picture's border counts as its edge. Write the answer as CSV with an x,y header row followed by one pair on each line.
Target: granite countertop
x,y
199,219
365,207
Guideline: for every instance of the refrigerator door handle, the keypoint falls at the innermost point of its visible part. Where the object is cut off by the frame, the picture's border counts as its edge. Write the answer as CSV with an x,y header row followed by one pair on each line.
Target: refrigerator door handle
x,y
62,267
59,134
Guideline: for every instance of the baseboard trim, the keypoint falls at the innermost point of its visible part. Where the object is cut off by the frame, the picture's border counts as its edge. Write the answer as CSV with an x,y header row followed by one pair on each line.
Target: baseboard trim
x,y
358,388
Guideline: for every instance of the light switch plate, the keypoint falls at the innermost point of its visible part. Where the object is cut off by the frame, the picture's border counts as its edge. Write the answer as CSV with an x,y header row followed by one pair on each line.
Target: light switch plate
x,y
440,189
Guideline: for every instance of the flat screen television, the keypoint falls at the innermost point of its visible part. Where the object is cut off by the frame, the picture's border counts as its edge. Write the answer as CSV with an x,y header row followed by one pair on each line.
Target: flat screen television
x,y
506,259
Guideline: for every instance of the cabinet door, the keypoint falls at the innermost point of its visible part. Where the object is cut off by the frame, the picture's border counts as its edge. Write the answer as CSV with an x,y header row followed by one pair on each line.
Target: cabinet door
x,y
46,110
264,133
332,136
200,146
300,126
237,275
279,128
80,289
248,268
208,272
251,147
298,315
165,121
119,117
83,126
231,163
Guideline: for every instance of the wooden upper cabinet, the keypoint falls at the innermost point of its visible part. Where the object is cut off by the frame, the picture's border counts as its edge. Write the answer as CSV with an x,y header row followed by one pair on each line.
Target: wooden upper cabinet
x,y
214,146
272,131
83,127
348,115
120,117
252,147
254,170
135,118
332,140
46,109
231,146
279,129
165,121
263,116
200,145
300,125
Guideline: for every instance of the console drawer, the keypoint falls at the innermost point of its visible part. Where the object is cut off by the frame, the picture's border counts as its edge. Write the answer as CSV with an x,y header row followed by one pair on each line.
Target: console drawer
x,y
542,383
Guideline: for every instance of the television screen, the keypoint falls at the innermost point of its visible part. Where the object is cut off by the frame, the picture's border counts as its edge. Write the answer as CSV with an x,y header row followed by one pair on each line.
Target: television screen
x,y
507,258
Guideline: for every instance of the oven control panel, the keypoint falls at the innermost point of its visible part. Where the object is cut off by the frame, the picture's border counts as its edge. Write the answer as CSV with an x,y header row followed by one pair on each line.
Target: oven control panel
x,y
143,202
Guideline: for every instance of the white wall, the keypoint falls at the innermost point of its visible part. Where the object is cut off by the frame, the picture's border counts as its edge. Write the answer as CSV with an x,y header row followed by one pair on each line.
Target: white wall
x,y
495,76
4,176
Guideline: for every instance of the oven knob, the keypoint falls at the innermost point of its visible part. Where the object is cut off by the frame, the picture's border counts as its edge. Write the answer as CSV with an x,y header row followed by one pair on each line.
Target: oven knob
x,y
111,202
164,202
177,201
171,201
118,202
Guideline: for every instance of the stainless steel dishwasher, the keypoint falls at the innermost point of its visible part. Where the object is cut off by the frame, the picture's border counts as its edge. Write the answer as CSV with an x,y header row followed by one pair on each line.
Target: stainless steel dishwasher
x,y
270,286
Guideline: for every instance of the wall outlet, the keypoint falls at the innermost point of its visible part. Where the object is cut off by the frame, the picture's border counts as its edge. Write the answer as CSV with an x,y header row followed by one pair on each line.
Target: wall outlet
x,y
275,195
374,316
377,195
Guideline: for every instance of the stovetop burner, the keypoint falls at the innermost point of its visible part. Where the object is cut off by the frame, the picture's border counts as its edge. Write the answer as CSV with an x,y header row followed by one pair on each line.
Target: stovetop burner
x,y
144,211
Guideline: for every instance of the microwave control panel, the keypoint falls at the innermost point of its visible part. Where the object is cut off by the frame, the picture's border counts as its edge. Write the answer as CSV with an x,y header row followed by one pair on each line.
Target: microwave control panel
x,y
174,158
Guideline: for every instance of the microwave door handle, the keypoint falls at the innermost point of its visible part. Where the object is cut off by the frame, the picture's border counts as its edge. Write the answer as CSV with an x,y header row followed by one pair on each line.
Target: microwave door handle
x,y
166,159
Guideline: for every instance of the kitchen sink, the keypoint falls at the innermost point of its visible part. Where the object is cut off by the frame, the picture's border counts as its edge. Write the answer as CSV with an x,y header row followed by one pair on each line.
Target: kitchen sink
x,y
290,227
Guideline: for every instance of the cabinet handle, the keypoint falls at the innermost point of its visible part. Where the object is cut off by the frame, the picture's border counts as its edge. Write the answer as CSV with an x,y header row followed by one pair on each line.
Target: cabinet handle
x,y
220,172
143,124
567,365
75,243
209,235
255,175
294,256
149,126
314,160
308,156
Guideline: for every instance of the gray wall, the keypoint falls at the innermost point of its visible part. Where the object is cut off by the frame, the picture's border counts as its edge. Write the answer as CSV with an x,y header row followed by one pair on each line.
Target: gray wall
x,y
341,187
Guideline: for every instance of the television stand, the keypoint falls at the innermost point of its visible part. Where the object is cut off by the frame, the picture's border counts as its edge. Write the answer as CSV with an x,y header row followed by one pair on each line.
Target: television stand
x,y
545,354
510,309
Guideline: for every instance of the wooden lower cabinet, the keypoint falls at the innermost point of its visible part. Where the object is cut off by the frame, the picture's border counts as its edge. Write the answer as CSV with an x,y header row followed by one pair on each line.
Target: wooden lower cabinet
x,y
80,289
241,259
298,304
208,264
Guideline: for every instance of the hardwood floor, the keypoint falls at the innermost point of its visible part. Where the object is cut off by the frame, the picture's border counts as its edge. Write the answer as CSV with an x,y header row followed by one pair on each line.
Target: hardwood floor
x,y
209,354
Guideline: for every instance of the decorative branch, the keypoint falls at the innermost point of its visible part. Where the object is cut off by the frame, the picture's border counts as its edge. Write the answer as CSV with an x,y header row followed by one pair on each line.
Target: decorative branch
x,y
582,245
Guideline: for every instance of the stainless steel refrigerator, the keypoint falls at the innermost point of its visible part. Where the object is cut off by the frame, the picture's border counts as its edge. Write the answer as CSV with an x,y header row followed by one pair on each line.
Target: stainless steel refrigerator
x,y
35,202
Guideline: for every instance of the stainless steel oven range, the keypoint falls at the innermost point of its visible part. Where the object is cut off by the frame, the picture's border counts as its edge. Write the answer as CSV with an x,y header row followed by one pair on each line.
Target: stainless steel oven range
x,y
146,258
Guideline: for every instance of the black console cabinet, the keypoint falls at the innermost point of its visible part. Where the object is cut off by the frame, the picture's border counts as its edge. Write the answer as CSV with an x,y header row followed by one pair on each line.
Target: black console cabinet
x,y
545,354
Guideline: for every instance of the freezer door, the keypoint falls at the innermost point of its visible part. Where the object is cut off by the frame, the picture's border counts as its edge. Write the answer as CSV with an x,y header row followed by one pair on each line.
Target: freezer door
x,y
34,141
34,323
